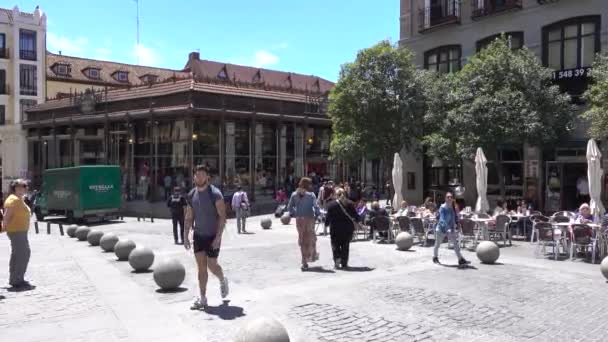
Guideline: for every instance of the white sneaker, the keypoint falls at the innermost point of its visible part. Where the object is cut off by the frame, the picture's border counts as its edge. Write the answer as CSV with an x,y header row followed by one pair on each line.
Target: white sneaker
x,y
224,287
199,304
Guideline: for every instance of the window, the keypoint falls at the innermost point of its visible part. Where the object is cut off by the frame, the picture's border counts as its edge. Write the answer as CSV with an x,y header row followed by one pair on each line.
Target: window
x,y
25,104
444,59
516,40
27,45
92,73
62,69
28,80
257,78
121,76
571,43
149,79
411,181
2,115
3,49
222,75
3,87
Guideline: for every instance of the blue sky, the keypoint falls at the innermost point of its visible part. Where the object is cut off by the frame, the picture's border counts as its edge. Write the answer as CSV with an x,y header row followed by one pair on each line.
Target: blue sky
x,y
309,37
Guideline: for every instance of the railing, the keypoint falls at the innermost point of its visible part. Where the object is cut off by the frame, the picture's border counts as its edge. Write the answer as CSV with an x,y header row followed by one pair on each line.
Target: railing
x,y
482,8
4,53
29,55
443,13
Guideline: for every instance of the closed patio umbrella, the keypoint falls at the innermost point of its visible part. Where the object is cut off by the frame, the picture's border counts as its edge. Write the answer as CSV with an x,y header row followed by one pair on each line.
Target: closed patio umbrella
x,y
594,175
481,180
397,180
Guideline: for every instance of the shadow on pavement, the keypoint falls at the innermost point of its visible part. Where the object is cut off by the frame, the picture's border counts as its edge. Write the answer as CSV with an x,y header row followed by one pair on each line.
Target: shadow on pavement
x,y
248,233
319,269
177,290
225,311
142,272
358,269
21,288
467,267
2,297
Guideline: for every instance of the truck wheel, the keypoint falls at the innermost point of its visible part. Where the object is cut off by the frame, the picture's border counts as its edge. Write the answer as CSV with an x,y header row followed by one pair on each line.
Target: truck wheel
x,y
38,213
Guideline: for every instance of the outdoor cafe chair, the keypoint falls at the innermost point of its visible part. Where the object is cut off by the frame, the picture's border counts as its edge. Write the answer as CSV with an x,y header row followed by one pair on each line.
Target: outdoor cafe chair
x,y
567,214
381,224
501,229
418,230
536,219
467,232
404,223
546,237
560,219
482,216
583,237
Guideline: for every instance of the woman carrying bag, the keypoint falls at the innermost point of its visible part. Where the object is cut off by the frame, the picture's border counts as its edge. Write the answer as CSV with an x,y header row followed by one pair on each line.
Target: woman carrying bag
x,y
342,219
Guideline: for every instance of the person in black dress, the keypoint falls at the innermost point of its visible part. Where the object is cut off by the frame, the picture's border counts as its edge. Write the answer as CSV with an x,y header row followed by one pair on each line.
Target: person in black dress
x,y
341,217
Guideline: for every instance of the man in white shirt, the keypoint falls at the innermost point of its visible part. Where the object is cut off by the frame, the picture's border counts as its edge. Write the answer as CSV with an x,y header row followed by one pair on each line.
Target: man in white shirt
x,y
240,205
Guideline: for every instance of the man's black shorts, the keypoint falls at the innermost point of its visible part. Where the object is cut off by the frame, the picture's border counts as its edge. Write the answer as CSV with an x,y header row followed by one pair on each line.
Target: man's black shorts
x,y
203,243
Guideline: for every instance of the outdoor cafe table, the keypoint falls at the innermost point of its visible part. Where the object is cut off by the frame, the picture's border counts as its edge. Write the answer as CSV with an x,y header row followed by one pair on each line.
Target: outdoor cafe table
x,y
482,224
518,217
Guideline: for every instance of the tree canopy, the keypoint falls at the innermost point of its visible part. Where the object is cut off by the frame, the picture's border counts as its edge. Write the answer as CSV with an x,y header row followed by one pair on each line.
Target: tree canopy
x,y
500,96
376,107
597,97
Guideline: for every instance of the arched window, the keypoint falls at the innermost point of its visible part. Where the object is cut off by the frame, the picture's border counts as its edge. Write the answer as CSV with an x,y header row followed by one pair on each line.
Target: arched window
x,y
444,59
516,40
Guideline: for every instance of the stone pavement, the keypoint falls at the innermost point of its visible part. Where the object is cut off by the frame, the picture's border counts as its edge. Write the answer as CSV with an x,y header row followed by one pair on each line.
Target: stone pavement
x,y
83,294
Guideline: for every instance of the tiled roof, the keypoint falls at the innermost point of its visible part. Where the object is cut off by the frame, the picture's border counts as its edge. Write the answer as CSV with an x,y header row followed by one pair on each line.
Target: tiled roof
x,y
106,71
8,13
205,69
180,86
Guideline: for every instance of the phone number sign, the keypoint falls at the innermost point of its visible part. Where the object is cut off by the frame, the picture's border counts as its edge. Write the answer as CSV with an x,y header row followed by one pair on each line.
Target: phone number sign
x,y
572,73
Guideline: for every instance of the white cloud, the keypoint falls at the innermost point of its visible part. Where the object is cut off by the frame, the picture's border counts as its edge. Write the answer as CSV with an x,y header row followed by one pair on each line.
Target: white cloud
x,y
263,58
145,55
66,45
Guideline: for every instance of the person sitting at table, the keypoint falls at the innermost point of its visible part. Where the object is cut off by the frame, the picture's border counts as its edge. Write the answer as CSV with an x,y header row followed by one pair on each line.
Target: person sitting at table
x,y
403,209
375,212
501,208
584,214
362,209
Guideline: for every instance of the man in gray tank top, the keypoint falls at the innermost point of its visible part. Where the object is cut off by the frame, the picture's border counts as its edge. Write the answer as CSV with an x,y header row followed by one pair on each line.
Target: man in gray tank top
x,y
206,217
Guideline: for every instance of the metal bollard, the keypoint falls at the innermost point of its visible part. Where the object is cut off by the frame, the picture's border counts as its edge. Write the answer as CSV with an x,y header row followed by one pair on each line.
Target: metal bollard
x,y
36,227
48,228
61,228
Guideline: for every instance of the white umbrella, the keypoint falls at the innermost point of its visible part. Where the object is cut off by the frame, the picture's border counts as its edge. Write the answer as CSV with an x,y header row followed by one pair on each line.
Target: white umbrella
x,y
481,180
594,175
397,180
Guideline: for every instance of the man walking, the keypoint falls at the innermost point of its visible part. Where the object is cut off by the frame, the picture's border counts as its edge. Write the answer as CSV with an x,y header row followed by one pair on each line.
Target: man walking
x,y
240,205
176,204
206,216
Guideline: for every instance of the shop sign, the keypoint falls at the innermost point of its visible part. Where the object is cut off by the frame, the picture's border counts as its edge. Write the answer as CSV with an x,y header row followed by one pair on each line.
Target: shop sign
x,y
571,73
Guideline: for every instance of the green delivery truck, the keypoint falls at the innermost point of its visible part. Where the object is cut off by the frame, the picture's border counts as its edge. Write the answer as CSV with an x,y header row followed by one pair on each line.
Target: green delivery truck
x,y
81,193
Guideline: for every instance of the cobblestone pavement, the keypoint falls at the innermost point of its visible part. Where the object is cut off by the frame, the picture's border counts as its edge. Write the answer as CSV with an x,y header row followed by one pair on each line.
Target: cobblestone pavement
x,y
83,294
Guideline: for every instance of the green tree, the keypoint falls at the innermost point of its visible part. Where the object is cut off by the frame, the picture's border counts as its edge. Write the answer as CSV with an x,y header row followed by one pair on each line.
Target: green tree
x,y
500,96
597,97
377,105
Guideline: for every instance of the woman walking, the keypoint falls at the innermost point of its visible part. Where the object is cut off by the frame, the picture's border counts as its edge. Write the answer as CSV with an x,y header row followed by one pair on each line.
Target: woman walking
x,y
447,225
341,218
303,206
16,222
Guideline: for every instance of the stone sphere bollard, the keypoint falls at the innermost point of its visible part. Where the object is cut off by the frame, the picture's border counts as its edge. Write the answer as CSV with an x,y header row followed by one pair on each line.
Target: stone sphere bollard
x,y
604,267
488,252
82,232
404,241
71,231
141,258
262,329
169,274
123,248
266,223
286,218
94,237
108,241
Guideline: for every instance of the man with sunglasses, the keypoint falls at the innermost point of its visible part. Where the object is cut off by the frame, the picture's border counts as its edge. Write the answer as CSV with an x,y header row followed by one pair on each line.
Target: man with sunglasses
x,y
448,225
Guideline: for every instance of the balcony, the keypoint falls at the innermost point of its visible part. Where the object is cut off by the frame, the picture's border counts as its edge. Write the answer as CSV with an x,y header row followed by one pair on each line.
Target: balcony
x,y
4,53
439,13
29,55
484,8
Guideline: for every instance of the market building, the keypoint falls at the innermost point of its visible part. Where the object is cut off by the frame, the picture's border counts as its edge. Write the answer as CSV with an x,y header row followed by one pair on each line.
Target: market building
x,y
565,35
253,127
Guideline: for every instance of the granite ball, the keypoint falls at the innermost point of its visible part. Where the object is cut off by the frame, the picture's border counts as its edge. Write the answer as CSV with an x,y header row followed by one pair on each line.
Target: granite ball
x,y
488,252
266,223
604,267
71,230
82,232
169,274
263,329
404,241
141,258
94,237
123,248
108,241
286,218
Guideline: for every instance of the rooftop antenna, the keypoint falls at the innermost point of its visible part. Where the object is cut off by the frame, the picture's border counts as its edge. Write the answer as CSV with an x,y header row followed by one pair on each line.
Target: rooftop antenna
x,y
137,22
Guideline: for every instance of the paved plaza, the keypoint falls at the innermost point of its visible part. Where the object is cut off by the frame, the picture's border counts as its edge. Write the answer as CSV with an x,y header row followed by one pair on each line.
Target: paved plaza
x,y
83,294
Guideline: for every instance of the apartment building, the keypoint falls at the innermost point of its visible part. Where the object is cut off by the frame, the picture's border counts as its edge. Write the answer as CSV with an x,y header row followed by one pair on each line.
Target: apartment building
x,y
22,77
564,34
